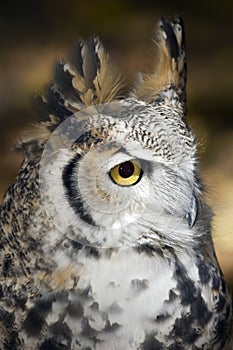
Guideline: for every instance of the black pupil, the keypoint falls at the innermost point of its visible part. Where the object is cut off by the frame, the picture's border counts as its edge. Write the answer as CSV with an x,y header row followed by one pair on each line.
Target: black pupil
x,y
126,169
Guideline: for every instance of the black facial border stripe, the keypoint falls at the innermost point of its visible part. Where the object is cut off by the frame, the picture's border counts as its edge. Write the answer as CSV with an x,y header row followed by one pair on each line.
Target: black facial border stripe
x,y
72,192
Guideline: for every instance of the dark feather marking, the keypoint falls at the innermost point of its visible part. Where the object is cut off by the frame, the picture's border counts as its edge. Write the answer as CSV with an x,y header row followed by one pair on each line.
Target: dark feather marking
x,y
223,285
7,264
76,245
61,332
113,284
91,63
191,295
76,57
71,184
149,249
171,298
186,286
63,83
151,343
91,252
138,285
20,299
179,346
94,306
75,309
13,342
179,20
83,294
178,54
221,304
72,193
200,310
171,39
7,318
111,327
203,271
215,280
52,344
115,308
162,317
223,328
183,330
87,330
55,104
1,291
36,316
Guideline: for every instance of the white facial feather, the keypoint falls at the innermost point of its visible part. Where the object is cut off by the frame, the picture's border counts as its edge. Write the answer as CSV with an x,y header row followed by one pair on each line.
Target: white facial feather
x,y
122,214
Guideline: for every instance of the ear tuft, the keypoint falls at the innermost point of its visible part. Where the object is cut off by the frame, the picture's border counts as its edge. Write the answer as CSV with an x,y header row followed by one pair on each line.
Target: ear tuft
x,y
168,80
94,79
88,78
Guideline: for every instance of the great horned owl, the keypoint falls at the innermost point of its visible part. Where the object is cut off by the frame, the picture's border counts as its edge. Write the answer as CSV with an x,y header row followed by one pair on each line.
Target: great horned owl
x,y
105,236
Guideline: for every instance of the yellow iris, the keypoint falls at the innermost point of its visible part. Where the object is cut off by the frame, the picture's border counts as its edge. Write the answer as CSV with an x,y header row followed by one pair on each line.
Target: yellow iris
x,y
127,173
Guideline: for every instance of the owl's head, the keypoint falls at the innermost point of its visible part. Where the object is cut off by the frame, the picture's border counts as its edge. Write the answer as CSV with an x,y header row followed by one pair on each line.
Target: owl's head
x,y
119,168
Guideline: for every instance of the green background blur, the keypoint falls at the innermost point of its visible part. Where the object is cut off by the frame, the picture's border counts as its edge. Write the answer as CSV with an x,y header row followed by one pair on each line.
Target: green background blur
x,y
34,33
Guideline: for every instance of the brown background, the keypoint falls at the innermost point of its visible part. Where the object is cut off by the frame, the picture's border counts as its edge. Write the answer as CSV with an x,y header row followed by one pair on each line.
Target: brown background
x,y
34,33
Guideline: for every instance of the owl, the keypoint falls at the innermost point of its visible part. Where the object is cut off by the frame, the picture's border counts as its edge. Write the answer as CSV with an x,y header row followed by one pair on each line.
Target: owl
x,y
105,235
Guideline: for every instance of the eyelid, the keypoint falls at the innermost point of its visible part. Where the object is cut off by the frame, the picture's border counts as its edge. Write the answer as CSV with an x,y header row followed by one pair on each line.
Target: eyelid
x,y
119,158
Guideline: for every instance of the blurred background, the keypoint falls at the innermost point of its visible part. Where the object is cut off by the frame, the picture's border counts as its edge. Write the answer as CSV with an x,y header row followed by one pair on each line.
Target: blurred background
x,y
33,34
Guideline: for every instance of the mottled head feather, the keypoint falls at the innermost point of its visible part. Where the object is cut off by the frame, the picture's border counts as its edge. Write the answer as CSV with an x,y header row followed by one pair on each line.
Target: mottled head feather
x,y
167,82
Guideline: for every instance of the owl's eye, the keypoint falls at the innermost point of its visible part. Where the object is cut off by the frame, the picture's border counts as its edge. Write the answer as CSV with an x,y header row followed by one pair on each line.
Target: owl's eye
x,y
127,173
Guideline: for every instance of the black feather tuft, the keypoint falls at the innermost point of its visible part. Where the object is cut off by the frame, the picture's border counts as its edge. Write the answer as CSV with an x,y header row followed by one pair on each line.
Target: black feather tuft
x,y
55,104
91,64
63,82
76,59
171,40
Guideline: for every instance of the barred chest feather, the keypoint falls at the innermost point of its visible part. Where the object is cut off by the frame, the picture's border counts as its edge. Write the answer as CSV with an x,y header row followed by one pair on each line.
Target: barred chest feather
x,y
132,298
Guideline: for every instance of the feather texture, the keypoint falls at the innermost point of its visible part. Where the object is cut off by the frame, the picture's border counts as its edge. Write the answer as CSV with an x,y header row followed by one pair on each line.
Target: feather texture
x,y
167,81
93,76
88,78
